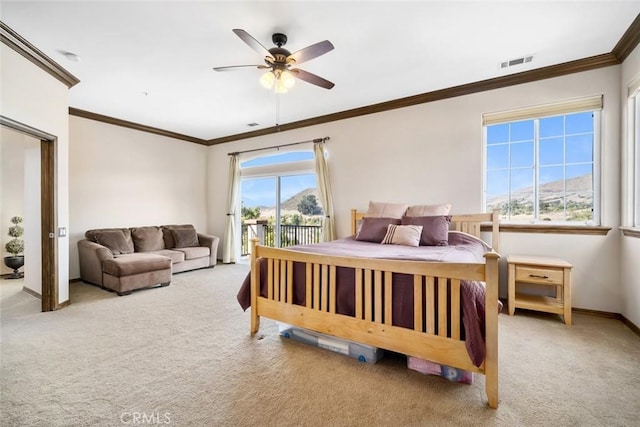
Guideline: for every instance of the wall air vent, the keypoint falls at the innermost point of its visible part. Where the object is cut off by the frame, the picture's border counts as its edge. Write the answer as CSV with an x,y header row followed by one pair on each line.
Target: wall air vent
x,y
515,61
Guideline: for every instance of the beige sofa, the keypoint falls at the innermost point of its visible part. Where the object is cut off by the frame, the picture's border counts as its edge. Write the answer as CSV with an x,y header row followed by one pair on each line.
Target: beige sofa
x,y
125,259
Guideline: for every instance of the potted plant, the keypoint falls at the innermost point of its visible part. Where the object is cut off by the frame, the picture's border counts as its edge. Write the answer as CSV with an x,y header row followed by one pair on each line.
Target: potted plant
x,y
15,247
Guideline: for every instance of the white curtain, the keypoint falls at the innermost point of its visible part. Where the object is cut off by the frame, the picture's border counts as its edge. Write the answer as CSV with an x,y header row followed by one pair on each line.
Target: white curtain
x,y
324,191
229,244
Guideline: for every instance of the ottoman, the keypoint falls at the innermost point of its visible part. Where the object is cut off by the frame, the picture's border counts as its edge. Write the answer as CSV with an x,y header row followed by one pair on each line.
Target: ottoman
x,y
126,273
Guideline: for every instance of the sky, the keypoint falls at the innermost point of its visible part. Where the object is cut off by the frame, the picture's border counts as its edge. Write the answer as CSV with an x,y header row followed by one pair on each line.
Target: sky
x,y
565,147
261,191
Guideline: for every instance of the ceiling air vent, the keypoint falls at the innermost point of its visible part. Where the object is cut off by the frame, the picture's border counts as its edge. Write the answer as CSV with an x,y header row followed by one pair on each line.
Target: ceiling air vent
x,y
252,124
516,61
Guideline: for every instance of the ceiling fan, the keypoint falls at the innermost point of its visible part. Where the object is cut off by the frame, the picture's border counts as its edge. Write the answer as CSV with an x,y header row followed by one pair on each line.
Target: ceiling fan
x,y
281,63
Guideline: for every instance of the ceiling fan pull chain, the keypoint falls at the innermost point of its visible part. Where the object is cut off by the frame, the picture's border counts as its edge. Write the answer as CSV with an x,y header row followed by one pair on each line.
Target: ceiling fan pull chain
x,y
277,109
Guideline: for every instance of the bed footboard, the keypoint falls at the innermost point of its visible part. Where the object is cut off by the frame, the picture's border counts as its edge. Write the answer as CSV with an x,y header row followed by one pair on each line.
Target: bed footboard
x,y
437,324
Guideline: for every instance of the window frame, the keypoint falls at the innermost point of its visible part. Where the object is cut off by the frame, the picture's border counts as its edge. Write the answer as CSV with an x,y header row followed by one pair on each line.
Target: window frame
x,y
590,104
276,171
635,155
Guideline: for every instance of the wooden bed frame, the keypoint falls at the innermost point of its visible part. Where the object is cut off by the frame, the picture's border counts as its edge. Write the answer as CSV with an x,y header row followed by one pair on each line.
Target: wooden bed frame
x,y
424,341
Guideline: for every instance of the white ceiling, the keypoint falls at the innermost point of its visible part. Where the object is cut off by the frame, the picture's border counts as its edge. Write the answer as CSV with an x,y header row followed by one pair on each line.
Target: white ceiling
x,y
150,62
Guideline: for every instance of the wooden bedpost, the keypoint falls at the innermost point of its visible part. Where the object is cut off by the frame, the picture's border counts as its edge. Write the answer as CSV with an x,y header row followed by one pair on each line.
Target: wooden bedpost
x,y
491,328
495,230
255,286
354,221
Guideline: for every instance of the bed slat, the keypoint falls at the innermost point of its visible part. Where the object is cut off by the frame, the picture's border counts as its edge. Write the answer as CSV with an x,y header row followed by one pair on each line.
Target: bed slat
x,y
358,293
270,278
324,291
388,299
431,306
377,295
455,309
367,295
417,303
308,283
316,286
442,306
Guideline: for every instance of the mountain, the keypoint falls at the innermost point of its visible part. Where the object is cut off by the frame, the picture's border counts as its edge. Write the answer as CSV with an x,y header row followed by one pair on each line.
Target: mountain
x,y
579,200
291,204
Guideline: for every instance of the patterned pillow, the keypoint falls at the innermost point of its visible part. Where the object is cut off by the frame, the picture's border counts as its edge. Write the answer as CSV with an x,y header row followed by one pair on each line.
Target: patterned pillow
x,y
406,235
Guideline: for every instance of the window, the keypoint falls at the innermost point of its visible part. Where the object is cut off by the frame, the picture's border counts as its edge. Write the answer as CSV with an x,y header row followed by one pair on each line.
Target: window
x,y
541,164
279,192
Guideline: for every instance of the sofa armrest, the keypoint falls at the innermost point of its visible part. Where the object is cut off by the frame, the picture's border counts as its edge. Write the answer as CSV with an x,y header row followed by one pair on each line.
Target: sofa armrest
x,y
210,242
91,257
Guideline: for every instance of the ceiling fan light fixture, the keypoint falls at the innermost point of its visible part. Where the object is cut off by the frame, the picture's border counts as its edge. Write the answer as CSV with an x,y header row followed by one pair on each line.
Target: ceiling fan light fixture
x,y
267,80
288,79
281,87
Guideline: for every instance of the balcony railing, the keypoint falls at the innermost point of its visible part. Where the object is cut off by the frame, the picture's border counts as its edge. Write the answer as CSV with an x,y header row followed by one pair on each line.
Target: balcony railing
x,y
290,235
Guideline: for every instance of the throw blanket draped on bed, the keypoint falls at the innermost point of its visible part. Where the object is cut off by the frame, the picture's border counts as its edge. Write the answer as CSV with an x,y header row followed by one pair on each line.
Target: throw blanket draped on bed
x,y
462,248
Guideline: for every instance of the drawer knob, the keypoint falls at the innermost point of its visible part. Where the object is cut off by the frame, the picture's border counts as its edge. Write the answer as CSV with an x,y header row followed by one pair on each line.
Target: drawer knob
x,y
539,276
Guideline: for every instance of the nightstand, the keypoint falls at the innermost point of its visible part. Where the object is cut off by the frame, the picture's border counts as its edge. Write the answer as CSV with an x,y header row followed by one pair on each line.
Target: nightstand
x,y
538,270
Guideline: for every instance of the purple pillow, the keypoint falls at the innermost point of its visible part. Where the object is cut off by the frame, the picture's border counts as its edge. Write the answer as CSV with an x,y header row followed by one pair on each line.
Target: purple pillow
x,y
374,229
435,229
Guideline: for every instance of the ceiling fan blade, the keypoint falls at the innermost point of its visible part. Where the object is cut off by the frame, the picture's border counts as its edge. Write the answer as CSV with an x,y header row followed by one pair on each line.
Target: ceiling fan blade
x,y
312,78
233,67
253,43
311,52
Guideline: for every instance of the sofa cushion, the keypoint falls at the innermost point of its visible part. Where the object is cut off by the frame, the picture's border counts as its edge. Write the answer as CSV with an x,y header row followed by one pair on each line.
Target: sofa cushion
x,y
185,237
128,265
175,255
147,239
115,239
194,252
169,241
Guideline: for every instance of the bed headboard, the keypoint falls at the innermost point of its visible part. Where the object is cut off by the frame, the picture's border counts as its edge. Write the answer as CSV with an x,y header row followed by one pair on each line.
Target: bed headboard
x,y
468,223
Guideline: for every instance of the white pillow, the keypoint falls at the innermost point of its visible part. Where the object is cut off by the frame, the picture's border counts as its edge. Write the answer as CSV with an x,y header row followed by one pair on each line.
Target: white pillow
x,y
406,235
429,210
386,210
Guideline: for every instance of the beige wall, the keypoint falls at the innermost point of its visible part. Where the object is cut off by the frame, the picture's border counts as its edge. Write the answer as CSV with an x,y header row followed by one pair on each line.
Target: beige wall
x,y
432,153
33,97
120,177
630,246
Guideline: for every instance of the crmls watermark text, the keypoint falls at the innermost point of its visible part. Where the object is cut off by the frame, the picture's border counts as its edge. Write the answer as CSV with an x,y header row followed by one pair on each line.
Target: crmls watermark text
x,y
140,418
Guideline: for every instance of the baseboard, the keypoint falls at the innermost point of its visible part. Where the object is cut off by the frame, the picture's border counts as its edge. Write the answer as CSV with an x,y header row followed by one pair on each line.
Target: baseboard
x,y
598,313
609,315
589,312
631,325
32,292
75,280
64,304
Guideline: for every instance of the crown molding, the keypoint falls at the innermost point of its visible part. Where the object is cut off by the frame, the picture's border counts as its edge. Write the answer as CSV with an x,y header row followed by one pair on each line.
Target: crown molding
x,y
18,43
628,41
571,67
131,125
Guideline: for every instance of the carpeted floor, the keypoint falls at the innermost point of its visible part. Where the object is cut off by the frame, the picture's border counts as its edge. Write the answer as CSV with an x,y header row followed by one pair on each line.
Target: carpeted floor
x,y
183,356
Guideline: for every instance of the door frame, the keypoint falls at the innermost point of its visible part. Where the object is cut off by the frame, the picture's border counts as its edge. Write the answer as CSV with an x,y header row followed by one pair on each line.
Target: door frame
x,y
48,197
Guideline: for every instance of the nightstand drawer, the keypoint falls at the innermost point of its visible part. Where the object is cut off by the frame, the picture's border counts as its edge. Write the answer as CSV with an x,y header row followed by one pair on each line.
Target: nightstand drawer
x,y
543,276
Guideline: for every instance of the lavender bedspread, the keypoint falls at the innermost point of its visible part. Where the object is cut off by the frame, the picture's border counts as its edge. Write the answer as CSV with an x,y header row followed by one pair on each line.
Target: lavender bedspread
x,y
462,248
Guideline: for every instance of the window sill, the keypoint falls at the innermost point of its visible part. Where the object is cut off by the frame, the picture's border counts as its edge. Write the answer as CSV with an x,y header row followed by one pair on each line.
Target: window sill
x,y
630,231
552,229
